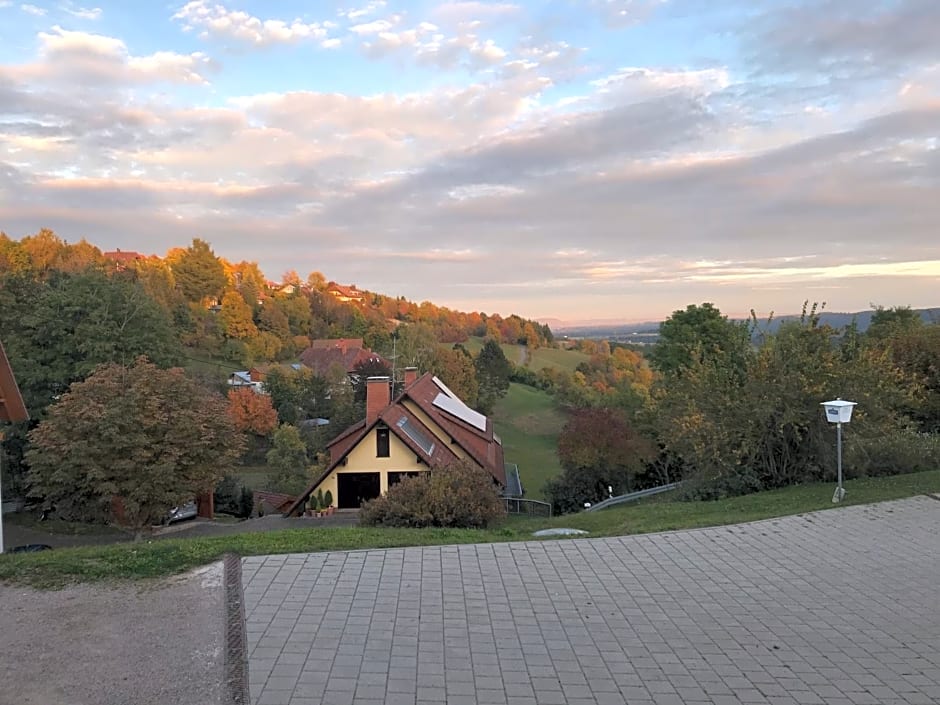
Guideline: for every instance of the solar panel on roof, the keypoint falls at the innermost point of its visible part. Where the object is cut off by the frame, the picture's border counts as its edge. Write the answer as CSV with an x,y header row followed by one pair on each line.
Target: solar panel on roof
x,y
415,434
455,407
444,388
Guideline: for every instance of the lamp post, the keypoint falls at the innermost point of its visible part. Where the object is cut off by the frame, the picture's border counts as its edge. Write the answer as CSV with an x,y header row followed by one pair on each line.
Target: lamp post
x,y
838,412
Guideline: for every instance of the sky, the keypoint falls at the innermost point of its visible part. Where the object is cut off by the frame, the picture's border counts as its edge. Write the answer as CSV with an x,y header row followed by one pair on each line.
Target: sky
x,y
581,160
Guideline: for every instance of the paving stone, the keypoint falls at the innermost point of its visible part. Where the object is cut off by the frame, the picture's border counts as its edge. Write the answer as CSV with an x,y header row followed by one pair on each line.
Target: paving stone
x,y
829,608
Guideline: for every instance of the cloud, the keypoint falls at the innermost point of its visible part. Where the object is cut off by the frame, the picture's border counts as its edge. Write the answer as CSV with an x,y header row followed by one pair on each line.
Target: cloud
x,y
67,56
364,11
528,172
218,22
83,13
33,10
833,41
622,13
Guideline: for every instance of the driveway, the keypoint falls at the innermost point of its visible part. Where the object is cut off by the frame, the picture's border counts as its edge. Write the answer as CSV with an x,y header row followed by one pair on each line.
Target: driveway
x,y
840,607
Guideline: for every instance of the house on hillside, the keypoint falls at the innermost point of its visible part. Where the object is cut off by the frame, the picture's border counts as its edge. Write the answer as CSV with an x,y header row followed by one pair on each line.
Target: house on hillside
x,y
123,259
346,294
253,378
427,427
342,353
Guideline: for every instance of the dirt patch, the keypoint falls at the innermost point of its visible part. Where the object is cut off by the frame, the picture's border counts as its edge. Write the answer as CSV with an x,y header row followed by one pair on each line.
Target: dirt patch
x,y
142,644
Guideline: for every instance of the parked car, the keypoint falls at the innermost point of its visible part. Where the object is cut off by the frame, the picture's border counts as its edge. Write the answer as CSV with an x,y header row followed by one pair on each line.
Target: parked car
x,y
184,511
31,548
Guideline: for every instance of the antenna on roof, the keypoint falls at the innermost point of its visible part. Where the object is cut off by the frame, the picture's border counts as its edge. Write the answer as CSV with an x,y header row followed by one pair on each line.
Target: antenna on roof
x,y
394,360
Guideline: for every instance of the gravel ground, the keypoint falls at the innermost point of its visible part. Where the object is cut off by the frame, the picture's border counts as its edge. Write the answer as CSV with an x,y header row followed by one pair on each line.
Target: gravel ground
x,y
142,644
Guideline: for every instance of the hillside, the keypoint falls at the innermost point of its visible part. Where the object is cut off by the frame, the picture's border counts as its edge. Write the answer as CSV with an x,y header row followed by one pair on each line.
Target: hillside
x,y
529,424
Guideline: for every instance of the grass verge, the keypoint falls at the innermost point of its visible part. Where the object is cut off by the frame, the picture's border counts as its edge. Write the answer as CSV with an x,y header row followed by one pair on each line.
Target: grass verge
x,y
51,569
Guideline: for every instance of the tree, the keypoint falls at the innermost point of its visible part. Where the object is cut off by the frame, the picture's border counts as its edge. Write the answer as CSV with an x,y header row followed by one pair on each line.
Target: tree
x,y
741,428
493,371
416,345
298,394
58,331
288,460
148,437
455,368
600,452
362,370
251,412
236,318
198,272
697,334
887,322
915,350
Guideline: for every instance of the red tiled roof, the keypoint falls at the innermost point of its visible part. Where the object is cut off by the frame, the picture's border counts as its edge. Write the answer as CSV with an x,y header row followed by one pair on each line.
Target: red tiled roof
x,y
277,500
348,291
122,256
337,343
11,402
322,359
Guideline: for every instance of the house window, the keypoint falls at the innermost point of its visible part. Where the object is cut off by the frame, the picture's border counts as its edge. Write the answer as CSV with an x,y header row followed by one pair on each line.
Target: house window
x,y
381,443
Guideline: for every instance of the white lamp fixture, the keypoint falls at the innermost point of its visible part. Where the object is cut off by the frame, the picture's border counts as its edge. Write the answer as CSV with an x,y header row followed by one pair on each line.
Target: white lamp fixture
x,y
839,412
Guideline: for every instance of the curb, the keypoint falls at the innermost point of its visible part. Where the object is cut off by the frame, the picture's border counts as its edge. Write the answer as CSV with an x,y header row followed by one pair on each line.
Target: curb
x,y
236,642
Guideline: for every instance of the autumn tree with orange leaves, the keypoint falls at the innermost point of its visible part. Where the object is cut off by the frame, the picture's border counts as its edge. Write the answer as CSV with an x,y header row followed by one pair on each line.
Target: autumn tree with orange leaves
x,y
251,412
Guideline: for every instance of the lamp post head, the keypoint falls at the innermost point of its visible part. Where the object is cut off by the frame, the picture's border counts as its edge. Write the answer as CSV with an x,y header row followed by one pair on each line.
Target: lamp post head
x,y
838,410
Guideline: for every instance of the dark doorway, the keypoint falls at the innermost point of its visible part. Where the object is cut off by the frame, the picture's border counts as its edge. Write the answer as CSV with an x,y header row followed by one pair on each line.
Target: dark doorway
x,y
354,488
395,477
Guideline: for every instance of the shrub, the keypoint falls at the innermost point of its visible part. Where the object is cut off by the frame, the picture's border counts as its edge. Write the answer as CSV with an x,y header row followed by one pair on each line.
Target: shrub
x,y
576,485
892,454
460,495
230,498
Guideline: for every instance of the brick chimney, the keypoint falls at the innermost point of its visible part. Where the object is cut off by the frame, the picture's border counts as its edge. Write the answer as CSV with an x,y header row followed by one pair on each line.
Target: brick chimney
x,y
411,374
378,397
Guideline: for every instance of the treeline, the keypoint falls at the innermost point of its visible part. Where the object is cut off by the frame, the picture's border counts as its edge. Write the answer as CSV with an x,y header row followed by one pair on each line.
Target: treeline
x,y
734,407
230,310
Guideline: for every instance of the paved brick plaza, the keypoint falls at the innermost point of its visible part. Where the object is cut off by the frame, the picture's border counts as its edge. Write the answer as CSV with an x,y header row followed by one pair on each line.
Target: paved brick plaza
x,y
837,607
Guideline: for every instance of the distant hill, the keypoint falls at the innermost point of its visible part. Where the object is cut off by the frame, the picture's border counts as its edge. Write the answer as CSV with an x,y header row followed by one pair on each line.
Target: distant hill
x,y
648,333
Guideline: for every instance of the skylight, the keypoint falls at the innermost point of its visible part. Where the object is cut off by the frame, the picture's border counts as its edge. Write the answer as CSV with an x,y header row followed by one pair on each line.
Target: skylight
x,y
455,407
415,434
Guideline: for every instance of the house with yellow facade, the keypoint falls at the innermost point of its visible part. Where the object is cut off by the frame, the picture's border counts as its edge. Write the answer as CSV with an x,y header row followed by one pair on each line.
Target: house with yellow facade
x,y
426,427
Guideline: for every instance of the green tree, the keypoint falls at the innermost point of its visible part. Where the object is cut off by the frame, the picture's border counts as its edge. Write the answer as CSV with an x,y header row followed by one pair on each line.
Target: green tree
x,y
362,370
888,322
696,335
199,273
149,437
288,459
741,433
235,317
59,330
493,371
455,368
298,395
416,346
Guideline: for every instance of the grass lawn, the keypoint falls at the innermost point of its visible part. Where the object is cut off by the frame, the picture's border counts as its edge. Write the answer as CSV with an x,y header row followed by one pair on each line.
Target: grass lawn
x,y
255,477
528,424
51,569
541,357
202,362
554,357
